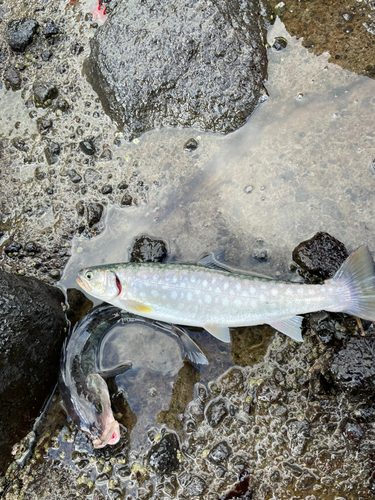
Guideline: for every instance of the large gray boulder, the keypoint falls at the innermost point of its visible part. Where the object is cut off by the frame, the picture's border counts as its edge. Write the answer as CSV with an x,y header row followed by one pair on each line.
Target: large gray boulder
x,y
32,330
193,63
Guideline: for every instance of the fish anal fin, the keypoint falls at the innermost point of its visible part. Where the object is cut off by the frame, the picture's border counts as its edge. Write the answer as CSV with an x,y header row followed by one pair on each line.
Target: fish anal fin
x,y
290,326
136,307
220,332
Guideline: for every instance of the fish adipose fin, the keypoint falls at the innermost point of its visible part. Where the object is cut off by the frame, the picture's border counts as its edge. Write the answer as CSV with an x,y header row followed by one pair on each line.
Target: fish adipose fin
x,y
357,273
220,332
291,327
136,307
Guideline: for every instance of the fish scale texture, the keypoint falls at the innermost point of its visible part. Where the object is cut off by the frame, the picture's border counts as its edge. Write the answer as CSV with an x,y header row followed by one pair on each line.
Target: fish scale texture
x,y
191,63
32,330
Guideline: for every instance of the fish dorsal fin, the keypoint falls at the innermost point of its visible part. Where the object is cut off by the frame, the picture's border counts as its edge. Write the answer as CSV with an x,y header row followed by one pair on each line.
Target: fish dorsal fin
x,y
220,332
291,327
215,260
135,307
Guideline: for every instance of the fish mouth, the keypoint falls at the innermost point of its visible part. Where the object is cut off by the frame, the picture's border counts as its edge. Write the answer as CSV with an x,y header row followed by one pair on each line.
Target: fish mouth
x,y
111,435
83,284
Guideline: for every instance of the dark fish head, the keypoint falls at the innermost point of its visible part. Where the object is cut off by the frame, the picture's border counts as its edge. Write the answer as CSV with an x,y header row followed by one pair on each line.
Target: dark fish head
x,y
101,282
90,409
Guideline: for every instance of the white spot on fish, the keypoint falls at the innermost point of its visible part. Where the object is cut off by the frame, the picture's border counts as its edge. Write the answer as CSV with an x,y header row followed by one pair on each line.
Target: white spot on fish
x,y
263,286
238,287
173,295
253,290
208,299
225,286
254,303
189,296
288,291
274,292
154,293
225,301
300,290
238,302
204,283
311,291
262,296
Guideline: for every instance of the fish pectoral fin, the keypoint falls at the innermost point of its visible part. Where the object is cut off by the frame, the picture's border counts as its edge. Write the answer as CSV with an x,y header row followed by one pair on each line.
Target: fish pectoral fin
x,y
291,327
136,307
220,332
113,372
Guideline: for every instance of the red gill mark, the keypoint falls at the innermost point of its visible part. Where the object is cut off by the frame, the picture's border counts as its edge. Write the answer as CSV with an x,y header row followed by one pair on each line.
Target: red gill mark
x,y
119,286
114,436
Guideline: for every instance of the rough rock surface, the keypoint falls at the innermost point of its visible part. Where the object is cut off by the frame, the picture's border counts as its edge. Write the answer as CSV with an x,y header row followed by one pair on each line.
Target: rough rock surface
x,y
32,329
168,63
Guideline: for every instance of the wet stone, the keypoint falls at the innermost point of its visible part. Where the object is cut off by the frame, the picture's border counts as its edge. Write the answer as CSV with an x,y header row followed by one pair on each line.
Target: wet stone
x,y
123,185
12,248
146,249
306,481
270,393
194,486
46,55
321,256
12,77
107,189
76,48
62,104
52,152
353,366
74,176
126,200
80,208
50,29
94,213
20,145
44,93
43,125
219,453
298,434
87,147
190,145
232,381
279,44
31,247
216,411
106,155
20,33
162,457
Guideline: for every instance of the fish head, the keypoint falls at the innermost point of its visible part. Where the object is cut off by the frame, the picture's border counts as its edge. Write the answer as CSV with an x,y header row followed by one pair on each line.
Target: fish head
x,y
101,282
94,413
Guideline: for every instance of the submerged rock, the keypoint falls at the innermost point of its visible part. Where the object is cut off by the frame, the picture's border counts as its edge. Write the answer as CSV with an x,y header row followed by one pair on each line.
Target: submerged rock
x,y
44,93
32,329
20,33
12,77
146,249
168,63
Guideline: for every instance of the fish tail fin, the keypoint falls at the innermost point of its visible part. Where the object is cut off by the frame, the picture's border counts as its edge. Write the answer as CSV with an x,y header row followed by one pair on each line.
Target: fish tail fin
x,y
357,273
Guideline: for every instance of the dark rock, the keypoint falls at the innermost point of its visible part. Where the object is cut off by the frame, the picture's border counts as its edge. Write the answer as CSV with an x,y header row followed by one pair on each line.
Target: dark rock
x,y
55,274
74,176
43,125
146,249
32,330
13,247
46,55
107,189
242,490
219,453
352,367
44,93
87,147
126,200
52,152
260,255
194,486
79,305
279,44
106,155
190,145
20,33
320,256
123,185
179,69
20,145
162,457
31,248
50,29
216,411
94,213
12,77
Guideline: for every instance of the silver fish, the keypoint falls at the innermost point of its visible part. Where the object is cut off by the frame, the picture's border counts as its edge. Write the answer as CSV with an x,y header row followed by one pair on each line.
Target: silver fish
x,y
216,299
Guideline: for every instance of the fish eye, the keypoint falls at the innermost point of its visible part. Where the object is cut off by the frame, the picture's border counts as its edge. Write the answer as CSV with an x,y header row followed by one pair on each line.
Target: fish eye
x,y
98,406
89,275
